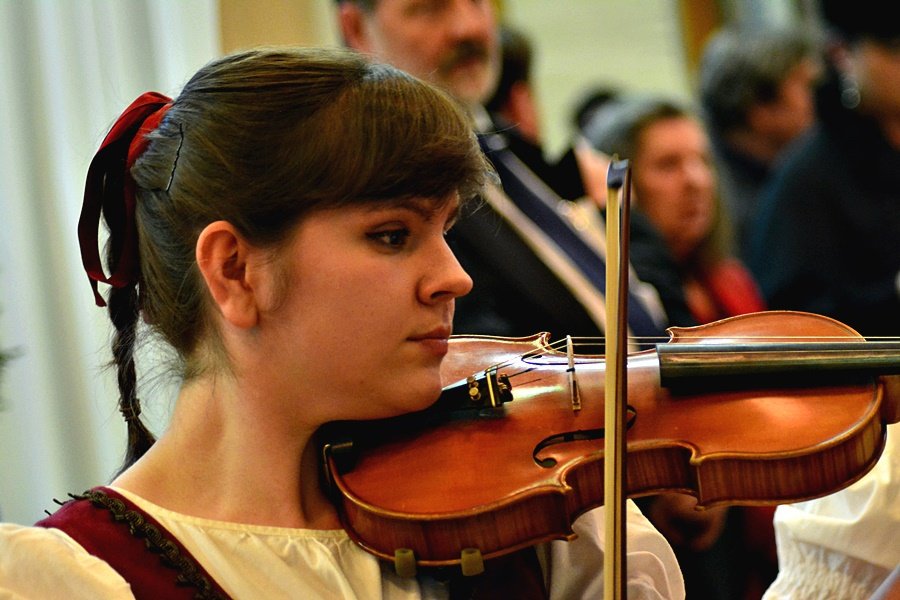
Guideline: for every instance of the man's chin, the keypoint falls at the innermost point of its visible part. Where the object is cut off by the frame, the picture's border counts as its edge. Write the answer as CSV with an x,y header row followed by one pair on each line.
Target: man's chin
x,y
470,86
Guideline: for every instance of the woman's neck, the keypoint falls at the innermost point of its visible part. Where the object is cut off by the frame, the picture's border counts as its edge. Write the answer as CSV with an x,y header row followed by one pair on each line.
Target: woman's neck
x,y
228,456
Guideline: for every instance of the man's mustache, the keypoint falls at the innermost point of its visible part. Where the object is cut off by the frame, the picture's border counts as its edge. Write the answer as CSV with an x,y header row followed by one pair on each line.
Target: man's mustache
x,y
464,52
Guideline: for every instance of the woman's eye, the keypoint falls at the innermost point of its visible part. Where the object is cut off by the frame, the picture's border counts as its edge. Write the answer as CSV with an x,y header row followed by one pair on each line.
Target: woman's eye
x,y
395,238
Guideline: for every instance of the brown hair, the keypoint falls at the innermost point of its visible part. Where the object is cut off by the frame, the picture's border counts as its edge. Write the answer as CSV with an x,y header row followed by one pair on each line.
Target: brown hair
x,y
260,139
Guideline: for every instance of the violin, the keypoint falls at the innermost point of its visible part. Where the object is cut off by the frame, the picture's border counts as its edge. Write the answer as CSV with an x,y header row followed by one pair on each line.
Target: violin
x,y
764,408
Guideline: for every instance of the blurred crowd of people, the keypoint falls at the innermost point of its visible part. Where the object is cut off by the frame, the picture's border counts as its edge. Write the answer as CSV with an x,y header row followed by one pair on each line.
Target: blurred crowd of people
x,y
777,188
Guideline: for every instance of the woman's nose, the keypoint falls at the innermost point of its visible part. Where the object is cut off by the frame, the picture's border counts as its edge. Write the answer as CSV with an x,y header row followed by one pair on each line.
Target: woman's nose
x,y
446,278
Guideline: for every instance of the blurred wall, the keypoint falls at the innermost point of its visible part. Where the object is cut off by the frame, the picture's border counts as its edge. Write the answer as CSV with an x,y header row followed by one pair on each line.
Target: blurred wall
x,y
630,45
253,22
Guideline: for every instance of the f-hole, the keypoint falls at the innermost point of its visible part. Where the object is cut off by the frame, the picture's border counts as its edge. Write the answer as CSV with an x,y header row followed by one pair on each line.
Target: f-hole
x,y
573,436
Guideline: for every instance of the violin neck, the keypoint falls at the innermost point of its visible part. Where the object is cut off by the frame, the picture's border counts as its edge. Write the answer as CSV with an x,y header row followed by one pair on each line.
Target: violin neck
x,y
765,364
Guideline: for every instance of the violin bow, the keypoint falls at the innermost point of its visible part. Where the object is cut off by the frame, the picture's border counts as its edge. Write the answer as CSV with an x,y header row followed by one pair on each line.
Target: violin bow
x,y
618,181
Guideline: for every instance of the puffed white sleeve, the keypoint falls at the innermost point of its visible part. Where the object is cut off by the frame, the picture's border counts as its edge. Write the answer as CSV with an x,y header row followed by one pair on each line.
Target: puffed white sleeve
x,y
843,544
37,562
575,568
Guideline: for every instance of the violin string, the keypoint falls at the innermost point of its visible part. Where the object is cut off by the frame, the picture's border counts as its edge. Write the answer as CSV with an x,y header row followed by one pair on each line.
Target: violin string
x,y
558,346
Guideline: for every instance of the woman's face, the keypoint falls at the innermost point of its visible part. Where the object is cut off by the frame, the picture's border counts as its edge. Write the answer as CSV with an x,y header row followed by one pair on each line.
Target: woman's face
x,y
368,308
674,183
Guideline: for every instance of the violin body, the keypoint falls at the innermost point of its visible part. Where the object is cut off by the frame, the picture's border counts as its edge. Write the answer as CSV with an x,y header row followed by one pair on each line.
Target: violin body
x,y
505,477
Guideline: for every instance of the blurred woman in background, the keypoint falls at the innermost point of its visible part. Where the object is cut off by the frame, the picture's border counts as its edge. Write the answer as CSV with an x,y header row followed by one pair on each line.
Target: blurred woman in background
x,y
725,553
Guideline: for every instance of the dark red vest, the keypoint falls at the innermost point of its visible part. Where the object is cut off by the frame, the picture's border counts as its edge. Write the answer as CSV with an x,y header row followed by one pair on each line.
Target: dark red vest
x,y
142,551
112,528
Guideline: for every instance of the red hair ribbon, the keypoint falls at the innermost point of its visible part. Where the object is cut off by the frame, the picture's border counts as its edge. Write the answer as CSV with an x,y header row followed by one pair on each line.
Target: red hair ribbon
x,y
109,190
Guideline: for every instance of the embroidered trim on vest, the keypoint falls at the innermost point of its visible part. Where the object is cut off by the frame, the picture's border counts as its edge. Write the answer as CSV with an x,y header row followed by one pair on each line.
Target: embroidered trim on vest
x,y
188,573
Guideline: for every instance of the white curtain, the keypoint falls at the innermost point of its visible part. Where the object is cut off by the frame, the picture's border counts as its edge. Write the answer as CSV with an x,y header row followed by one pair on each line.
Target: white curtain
x,y
67,69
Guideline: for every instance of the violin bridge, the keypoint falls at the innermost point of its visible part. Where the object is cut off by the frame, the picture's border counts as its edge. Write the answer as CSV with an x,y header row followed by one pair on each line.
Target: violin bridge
x,y
573,382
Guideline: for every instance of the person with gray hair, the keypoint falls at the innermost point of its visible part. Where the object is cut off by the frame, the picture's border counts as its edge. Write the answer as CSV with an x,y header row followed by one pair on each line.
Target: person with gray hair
x,y
824,239
756,93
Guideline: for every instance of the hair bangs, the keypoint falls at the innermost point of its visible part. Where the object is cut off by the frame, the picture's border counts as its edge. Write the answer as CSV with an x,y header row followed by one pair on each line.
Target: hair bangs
x,y
393,136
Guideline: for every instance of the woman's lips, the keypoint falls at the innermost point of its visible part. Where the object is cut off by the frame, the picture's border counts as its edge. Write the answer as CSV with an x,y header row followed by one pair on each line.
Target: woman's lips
x,y
437,346
435,341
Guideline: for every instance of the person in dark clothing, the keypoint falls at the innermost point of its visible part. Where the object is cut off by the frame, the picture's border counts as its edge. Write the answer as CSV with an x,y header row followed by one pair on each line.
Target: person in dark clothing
x,y
514,113
827,235
756,92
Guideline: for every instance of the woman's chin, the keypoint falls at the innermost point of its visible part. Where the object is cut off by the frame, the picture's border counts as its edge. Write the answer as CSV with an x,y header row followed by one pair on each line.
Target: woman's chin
x,y
424,396
412,398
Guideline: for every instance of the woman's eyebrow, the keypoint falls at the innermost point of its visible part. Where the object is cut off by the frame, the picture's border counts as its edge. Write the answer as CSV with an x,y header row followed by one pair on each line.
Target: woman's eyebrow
x,y
426,208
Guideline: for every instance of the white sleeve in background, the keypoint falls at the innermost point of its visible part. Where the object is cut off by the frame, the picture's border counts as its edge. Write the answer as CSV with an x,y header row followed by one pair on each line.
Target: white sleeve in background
x,y
576,567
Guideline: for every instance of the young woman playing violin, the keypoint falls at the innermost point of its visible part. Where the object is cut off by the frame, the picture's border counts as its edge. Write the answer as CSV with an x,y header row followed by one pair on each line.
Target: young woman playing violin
x,y
280,224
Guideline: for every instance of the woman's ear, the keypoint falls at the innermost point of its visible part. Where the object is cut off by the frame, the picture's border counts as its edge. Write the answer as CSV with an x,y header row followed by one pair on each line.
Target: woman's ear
x,y
223,257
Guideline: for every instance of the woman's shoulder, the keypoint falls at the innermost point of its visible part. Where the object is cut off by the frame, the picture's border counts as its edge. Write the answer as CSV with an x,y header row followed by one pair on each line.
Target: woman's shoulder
x,y
42,562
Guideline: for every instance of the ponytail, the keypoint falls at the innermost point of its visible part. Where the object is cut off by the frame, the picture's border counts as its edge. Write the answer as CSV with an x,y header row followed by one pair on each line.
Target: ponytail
x,y
109,191
124,313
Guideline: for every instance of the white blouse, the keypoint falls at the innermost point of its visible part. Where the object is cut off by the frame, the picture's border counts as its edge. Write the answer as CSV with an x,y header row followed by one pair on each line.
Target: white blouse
x,y
251,561
845,544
